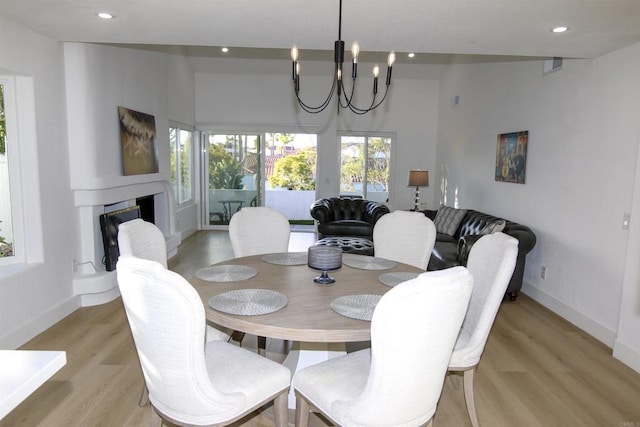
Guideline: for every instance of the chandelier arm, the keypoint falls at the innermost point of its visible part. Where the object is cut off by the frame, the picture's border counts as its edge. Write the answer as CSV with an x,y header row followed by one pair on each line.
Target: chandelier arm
x,y
321,107
372,107
347,99
361,111
383,98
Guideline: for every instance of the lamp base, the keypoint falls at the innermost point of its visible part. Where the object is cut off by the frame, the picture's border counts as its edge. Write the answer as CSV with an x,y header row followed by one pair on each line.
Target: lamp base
x,y
416,202
324,279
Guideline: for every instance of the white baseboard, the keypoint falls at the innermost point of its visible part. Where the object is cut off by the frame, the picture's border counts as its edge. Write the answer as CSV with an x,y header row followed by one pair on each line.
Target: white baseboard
x,y
598,331
627,355
40,324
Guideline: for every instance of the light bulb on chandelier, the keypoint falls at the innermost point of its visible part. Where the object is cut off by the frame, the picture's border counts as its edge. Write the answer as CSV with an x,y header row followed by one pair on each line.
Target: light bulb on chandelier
x,y
344,100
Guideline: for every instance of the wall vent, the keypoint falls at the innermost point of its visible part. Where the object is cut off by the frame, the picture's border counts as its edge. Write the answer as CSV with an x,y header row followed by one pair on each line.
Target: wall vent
x,y
551,65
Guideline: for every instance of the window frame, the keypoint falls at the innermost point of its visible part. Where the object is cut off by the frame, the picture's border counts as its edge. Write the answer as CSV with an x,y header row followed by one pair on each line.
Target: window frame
x,y
178,193
392,136
15,172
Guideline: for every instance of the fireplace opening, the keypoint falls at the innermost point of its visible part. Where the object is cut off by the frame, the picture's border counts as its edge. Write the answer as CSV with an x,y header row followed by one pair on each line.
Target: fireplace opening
x,y
112,218
147,208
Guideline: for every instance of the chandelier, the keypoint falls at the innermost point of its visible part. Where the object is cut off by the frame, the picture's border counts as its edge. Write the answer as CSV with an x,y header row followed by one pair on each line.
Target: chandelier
x,y
345,98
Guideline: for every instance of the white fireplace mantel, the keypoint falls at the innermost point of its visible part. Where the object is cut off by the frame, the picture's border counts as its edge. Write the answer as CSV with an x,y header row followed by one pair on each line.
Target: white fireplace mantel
x,y
91,282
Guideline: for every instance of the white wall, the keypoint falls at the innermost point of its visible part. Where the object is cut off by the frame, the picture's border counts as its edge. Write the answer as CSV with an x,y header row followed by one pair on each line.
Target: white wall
x,y
181,98
245,94
34,296
99,79
583,141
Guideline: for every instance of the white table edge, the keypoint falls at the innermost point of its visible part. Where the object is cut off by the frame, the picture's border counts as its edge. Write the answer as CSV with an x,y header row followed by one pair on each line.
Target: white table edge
x,y
23,371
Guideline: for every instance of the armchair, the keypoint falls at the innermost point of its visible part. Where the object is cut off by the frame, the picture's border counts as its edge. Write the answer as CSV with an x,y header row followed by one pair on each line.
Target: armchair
x,y
342,216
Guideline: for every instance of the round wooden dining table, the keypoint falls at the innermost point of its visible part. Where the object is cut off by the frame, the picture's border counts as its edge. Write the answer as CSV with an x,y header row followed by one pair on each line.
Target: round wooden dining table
x,y
317,332
307,316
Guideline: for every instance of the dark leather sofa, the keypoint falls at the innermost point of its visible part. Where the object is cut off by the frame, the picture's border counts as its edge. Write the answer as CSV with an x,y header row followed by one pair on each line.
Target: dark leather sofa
x,y
345,216
450,251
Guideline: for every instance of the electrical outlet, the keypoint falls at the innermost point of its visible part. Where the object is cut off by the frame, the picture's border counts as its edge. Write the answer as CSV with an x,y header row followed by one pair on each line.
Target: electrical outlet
x,y
543,272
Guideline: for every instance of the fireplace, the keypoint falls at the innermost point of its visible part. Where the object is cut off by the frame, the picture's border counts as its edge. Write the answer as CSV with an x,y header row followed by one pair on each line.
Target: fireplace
x,y
92,280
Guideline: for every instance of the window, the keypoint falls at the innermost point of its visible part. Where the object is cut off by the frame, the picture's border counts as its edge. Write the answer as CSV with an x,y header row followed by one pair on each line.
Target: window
x,y
12,249
6,229
274,169
365,162
181,145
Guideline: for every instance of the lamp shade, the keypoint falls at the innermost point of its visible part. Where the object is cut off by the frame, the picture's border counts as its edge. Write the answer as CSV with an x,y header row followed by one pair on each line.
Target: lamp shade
x,y
418,178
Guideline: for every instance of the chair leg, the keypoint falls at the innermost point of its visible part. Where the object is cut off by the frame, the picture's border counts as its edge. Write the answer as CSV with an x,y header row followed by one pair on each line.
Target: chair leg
x,y
468,396
156,420
280,410
144,396
238,336
302,412
262,345
455,381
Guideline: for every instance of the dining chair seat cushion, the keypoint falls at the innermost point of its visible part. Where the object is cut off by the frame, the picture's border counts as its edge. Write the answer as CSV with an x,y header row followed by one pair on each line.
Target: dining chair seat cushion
x,y
345,376
235,370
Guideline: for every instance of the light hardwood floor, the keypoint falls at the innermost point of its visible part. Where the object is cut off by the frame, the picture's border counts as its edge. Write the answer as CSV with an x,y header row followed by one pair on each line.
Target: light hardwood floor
x,y
537,369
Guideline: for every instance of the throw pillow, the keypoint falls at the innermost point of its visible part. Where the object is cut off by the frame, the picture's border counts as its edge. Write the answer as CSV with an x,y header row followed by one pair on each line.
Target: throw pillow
x,y
448,220
494,227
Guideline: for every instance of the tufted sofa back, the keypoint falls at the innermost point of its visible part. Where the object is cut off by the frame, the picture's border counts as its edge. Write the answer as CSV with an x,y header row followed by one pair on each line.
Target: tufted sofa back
x,y
343,208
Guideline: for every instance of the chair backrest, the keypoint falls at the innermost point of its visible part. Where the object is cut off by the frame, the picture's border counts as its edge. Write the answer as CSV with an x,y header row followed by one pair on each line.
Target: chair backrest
x,y
491,262
406,237
259,230
413,330
167,321
143,240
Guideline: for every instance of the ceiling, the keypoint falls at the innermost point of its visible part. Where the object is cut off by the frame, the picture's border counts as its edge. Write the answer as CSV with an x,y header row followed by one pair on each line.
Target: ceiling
x,y
426,27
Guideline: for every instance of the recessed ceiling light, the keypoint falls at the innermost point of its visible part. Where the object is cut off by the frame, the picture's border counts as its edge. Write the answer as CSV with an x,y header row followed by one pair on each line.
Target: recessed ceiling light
x,y
560,29
411,55
225,49
105,15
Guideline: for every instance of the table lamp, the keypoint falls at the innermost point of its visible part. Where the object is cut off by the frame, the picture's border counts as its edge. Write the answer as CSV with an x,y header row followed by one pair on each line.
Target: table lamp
x,y
324,258
418,178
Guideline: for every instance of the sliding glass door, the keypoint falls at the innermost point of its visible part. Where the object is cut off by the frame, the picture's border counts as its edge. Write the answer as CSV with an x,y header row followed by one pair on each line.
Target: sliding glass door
x,y
365,162
233,175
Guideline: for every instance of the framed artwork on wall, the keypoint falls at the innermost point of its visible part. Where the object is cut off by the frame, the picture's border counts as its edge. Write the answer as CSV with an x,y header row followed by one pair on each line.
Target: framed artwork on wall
x,y
511,157
138,141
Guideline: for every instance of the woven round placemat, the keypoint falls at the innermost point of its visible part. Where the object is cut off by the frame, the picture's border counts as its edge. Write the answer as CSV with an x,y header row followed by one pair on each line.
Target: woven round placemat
x,y
396,277
226,273
248,302
286,258
359,306
364,262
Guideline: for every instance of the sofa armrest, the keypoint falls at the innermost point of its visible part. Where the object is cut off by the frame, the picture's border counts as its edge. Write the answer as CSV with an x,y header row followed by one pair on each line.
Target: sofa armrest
x,y
465,243
322,211
526,237
374,211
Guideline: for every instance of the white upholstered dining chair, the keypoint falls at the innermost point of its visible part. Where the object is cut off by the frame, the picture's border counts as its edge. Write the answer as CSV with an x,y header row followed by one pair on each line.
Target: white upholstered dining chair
x,y
491,263
145,240
399,380
406,237
192,381
259,230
